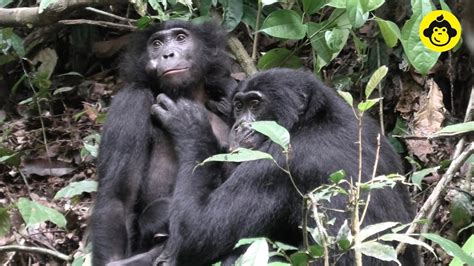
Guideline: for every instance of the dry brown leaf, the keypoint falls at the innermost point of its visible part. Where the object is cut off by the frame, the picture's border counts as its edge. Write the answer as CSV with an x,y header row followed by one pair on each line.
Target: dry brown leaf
x,y
427,120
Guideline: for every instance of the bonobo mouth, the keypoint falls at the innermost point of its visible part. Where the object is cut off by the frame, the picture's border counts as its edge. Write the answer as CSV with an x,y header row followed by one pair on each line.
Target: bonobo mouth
x,y
174,71
246,141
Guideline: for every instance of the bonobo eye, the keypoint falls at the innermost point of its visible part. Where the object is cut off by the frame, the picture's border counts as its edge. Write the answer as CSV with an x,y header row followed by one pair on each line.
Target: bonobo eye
x,y
238,106
180,37
157,43
254,103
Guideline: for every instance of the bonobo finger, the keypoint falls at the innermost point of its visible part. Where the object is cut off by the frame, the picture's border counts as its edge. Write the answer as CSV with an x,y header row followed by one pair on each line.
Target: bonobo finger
x,y
159,112
164,101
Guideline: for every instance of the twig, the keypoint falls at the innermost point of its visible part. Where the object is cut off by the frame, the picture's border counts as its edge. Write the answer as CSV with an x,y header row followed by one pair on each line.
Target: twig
x,y
257,26
355,214
322,231
379,86
435,194
105,24
374,172
46,251
22,16
467,118
98,11
242,56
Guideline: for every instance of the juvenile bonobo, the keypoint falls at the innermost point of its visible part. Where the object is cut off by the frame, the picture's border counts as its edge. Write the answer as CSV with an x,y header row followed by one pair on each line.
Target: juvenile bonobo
x,y
137,164
257,197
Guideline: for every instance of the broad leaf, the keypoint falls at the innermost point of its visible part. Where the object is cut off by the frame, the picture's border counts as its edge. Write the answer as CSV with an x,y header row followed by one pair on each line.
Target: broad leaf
x,y
390,32
274,131
35,213
257,254
451,248
247,241
374,4
283,23
239,155
5,223
417,176
455,129
279,57
374,80
356,13
233,13
4,3
367,104
344,237
347,97
422,58
310,7
337,176
379,251
468,247
403,238
77,188
373,229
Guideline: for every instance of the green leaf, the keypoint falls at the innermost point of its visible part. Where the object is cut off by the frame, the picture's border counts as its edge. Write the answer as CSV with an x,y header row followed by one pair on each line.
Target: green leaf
x,y
417,176
5,223
344,237
9,157
374,80
455,129
274,131
257,254
35,213
44,4
336,38
239,155
155,4
390,32
62,89
144,22
319,41
419,56
337,176
367,104
286,24
406,239
233,12
379,251
280,245
310,7
374,4
299,259
9,39
373,229
460,210
140,6
337,3
451,248
77,188
247,241
468,247
316,250
279,57
268,2
357,16
278,263
347,97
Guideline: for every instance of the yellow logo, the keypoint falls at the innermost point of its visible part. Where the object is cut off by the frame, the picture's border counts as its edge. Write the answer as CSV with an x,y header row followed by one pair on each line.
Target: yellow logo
x,y
440,31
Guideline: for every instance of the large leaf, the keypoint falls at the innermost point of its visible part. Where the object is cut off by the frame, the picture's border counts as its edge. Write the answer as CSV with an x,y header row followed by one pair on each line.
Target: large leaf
x,y
35,213
9,157
357,15
455,129
408,240
390,31
310,7
367,104
417,176
373,229
5,222
233,13
451,248
379,251
286,24
347,97
77,188
274,131
325,52
239,155
422,58
468,247
257,254
4,3
374,80
374,4
279,57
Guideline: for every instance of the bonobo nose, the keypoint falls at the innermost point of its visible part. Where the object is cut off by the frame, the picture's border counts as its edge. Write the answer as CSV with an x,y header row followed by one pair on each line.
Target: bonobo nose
x,y
170,54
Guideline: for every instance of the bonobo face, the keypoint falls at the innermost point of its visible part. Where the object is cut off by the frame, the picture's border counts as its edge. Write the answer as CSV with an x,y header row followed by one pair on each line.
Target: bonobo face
x,y
172,57
248,106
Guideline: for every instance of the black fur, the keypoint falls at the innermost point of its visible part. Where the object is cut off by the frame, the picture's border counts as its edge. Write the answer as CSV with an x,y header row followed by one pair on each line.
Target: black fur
x,y
137,163
257,198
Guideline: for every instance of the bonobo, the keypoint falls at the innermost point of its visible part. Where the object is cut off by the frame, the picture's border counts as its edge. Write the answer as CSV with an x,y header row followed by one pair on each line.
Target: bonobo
x,y
137,163
257,198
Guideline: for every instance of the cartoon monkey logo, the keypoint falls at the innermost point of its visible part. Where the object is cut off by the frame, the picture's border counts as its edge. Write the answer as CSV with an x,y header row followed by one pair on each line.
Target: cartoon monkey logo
x,y
440,30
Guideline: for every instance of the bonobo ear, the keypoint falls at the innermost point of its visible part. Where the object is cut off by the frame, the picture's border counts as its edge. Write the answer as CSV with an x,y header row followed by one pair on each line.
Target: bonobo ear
x,y
303,105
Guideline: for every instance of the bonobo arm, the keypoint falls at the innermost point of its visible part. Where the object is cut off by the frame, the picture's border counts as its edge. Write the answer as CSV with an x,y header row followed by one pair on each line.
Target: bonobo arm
x,y
206,223
123,155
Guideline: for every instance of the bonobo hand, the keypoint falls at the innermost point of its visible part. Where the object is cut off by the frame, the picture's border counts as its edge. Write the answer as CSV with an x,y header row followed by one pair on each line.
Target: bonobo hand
x,y
182,119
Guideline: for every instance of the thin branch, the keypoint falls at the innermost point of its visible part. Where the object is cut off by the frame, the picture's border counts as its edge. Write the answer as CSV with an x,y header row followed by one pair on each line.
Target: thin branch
x,y
13,248
374,172
435,194
105,24
23,16
242,56
257,26
379,87
98,11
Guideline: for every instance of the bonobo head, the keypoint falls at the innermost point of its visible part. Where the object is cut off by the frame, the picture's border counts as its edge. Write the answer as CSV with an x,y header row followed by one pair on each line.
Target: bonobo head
x,y
286,96
178,58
